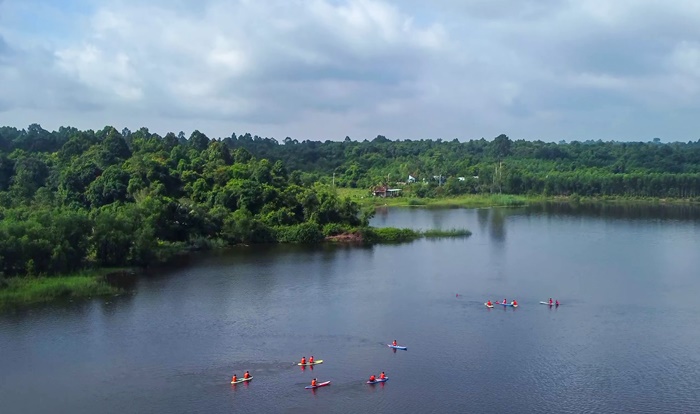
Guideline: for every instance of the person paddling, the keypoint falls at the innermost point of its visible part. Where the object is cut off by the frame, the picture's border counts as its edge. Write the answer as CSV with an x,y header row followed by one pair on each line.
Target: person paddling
x,y
394,343
382,376
234,379
311,360
313,382
246,375
303,360
372,378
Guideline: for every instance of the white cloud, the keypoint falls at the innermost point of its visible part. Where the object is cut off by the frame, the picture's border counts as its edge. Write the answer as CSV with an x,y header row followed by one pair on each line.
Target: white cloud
x,y
551,69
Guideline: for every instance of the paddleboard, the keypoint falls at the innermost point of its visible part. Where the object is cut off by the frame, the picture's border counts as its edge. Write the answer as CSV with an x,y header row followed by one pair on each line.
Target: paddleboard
x,y
378,380
397,347
241,380
318,361
550,304
320,384
488,306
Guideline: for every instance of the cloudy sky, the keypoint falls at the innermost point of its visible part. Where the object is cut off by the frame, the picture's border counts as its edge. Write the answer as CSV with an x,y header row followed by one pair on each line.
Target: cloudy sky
x,y
324,69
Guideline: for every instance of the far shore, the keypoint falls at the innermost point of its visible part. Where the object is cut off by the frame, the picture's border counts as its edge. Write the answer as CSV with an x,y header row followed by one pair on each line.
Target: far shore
x,y
364,197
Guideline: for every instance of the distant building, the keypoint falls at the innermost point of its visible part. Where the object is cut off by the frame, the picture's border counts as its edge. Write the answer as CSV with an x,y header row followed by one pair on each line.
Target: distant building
x,y
461,178
411,179
383,191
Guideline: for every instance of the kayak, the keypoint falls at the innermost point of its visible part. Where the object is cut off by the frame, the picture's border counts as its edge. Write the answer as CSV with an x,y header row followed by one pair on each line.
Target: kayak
x,y
488,306
241,380
397,347
319,361
378,380
320,384
505,304
550,304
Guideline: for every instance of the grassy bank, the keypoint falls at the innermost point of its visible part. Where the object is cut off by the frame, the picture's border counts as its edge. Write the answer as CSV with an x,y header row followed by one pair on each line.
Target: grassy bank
x,y
363,197
395,235
19,291
470,200
438,234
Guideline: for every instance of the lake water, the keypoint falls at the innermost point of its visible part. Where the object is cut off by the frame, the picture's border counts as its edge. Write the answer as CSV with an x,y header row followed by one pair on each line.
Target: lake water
x,y
625,339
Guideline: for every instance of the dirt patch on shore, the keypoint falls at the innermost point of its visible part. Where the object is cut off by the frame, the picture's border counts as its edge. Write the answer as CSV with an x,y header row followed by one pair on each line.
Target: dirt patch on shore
x,y
346,238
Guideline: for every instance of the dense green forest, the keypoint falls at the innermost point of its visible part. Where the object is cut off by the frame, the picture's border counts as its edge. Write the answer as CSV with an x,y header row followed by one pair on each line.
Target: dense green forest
x,y
591,168
69,198
73,198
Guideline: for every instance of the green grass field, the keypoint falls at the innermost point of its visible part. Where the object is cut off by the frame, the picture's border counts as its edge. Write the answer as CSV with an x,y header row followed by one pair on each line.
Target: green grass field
x,y
30,290
365,198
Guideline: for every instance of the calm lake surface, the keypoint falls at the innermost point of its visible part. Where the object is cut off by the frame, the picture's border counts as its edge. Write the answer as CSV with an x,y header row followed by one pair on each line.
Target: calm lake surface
x,y
626,338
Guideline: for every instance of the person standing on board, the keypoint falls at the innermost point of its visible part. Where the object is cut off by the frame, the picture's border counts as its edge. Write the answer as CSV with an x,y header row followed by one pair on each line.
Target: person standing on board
x,y
394,343
246,375
557,302
504,301
313,382
303,360
550,301
311,360
382,376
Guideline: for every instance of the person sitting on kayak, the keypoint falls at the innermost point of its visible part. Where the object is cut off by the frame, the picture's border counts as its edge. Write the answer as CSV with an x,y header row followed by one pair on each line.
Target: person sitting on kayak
x,y
514,303
234,378
303,360
394,343
372,378
313,382
246,375
489,303
311,360
382,376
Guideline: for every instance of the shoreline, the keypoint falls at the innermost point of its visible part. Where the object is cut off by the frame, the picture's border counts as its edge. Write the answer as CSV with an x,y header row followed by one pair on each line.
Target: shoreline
x,y
362,197
22,291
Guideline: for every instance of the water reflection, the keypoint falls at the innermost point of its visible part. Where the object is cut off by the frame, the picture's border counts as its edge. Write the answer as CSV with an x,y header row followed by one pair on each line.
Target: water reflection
x,y
627,211
497,226
482,217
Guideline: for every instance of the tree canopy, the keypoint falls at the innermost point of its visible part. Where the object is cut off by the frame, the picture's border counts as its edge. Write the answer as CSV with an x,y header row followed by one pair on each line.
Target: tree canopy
x,y
69,198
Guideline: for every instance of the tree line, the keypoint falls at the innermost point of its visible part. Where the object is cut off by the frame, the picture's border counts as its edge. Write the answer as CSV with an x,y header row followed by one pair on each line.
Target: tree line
x,y
73,198
69,198
589,168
